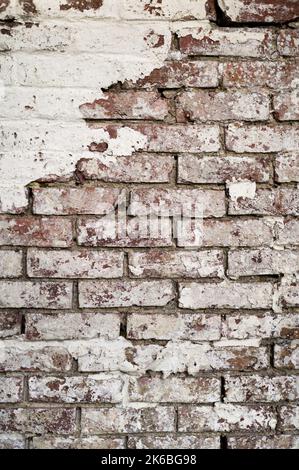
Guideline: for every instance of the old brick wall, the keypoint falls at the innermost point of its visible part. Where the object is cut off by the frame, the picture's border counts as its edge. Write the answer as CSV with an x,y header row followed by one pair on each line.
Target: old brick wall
x,y
118,338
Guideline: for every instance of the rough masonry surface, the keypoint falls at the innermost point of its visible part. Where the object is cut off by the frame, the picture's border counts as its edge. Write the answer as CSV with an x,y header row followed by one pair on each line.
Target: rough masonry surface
x,y
122,323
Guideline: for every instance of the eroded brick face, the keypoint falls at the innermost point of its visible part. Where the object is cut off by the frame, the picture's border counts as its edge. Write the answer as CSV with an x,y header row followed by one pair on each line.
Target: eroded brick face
x,y
149,224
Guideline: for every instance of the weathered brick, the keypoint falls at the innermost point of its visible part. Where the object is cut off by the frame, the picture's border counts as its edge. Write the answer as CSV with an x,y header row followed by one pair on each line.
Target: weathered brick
x,y
201,105
90,442
124,232
26,294
129,419
12,441
243,42
11,389
264,442
89,389
77,264
202,169
261,261
260,11
287,168
255,388
288,42
11,263
261,138
176,202
276,201
42,326
174,441
38,420
158,263
174,389
274,75
67,200
288,232
286,356
193,327
25,356
175,74
125,293
226,294
267,325
289,417
226,417
10,324
127,105
32,231
288,293
229,232
169,138
286,106
138,168
191,357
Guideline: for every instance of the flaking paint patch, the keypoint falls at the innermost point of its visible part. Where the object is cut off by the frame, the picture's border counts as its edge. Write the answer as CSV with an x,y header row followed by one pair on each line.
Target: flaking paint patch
x,y
241,189
34,150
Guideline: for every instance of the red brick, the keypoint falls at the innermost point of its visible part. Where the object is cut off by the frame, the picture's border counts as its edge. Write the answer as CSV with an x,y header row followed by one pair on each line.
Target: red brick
x,y
201,105
274,75
174,389
286,356
67,200
176,202
38,420
226,417
287,168
125,293
286,106
26,294
126,105
260,11
171,138
260,388
84,389
160,263
127,420
135,231
175,74
138,168
288,42
262,138
201,169
74,264
245,42
33,231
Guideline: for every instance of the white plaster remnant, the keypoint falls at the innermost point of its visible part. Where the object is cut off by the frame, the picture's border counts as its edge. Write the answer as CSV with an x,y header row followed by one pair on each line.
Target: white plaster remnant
x,y
241,189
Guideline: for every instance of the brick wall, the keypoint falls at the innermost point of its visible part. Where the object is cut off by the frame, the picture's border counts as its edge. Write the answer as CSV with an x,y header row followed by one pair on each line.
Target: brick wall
x,y
114,116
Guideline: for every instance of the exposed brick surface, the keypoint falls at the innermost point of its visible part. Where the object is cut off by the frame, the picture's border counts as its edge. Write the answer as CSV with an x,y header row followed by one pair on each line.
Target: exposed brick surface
x,y
149,224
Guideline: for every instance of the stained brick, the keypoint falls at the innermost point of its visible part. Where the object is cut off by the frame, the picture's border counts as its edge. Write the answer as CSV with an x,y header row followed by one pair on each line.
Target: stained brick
x,y
286,356
288,42
60,326
38,420
32,231
10,263
174,441
74,264
11,389
124,293
88,442
225,295
26,294
90,389
129,419
174,389
138,168
287,168
158,263
10,324
288,232
227,417
260,11
260,388
12,441
286,106
162,326
282,441
195,169
289,417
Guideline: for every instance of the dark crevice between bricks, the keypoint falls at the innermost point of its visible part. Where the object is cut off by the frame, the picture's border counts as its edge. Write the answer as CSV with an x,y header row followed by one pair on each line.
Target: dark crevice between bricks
x,y
223,442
